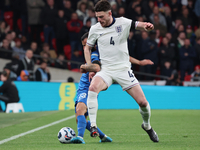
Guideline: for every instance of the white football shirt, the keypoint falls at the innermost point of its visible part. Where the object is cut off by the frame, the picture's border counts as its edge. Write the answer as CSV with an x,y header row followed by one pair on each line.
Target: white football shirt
x,y
112,43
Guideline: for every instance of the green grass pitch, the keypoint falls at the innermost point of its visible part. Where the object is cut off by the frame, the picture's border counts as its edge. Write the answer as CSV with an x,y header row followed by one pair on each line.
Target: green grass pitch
x,y
177,130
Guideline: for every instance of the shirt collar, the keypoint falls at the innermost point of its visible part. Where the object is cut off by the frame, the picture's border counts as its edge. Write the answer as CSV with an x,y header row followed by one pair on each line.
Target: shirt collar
x,y
111,23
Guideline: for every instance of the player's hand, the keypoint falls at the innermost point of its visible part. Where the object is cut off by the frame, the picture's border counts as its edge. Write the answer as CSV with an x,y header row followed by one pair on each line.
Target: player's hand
x,y
82,68
148,26
146,62
91,75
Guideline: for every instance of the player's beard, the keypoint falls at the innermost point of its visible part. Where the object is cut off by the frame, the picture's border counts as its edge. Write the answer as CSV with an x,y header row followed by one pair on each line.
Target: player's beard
x,y
105,23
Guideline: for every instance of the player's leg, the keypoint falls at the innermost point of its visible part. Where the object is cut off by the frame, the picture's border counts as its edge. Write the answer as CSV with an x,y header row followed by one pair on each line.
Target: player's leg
x,y
102,136
81,123
96,86
137,93
144,108
81,109
131,85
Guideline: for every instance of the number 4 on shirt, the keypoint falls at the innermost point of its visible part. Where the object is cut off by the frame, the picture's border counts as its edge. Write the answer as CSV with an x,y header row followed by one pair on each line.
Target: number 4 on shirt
x,y
111,41
130,74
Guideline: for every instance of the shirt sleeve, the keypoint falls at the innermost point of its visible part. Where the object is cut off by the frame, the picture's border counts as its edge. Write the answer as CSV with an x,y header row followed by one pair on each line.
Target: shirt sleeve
x,y
94,56
127,22
133,25
92,37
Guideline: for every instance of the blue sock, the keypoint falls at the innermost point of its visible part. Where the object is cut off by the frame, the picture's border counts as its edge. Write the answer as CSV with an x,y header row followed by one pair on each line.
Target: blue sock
x,y
81,125
101,134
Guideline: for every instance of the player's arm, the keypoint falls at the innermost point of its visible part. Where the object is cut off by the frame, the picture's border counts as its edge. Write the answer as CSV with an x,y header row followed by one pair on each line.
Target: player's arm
x,y
87,54
94,67
146,26
140,62
89,68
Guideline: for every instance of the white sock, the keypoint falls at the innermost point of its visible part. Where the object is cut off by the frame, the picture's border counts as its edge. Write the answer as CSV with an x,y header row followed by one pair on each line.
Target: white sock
x,y
92,105
146,113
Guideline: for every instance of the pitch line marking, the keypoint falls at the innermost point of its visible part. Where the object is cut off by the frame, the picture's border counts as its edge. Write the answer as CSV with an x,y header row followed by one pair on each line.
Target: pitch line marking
x,y
140,134
34,130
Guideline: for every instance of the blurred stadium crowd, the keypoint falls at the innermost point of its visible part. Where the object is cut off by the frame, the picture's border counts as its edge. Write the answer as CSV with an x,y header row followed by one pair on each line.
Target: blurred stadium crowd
x,y
47,33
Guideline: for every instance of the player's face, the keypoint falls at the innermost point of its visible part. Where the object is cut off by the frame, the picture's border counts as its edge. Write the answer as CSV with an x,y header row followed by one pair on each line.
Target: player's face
x,y
3,78
104,18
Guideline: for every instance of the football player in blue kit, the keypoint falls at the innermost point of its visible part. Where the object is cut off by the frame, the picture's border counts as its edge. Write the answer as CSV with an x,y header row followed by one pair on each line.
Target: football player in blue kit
x,y
81,100
82,93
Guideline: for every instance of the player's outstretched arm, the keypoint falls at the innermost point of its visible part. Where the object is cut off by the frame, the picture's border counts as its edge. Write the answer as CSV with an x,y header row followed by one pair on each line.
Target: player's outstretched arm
x,y
140,62
90,68
145,62
87,54
144,26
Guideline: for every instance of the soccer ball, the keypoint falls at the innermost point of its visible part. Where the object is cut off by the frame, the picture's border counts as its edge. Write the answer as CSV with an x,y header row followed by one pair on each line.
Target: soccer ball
x,y
66,134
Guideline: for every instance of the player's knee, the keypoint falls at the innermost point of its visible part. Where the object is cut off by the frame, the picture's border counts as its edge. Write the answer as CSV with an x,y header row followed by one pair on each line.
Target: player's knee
x,y
81,109
143,103
93,88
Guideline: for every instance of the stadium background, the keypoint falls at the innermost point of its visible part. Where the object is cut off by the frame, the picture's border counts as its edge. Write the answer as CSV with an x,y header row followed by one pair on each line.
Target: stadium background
x,y
178,129
41,96
37,96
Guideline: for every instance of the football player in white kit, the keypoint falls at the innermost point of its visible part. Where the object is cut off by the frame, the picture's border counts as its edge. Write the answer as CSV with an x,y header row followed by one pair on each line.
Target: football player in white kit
x,y
111,35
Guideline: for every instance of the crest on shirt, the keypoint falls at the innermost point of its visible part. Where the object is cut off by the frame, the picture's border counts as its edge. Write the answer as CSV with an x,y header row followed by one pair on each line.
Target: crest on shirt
x,y
118,29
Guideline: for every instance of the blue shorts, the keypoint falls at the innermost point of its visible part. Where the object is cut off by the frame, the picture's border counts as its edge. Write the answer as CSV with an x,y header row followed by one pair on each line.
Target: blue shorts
x,y
82,97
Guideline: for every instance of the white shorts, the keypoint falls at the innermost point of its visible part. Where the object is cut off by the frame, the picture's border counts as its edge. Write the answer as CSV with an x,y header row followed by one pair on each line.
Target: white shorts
x,y
124,77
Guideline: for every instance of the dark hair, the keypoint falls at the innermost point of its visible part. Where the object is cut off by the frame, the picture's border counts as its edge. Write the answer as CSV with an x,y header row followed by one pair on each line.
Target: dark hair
x,y
5,74
82,3
42,61
97,62
7,67
45,44
9,32
88,20
84,36
33,42
102,5
61,54
70,79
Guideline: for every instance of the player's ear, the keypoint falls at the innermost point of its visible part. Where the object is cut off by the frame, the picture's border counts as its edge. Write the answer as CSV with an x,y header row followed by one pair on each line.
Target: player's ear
x,y
110,13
